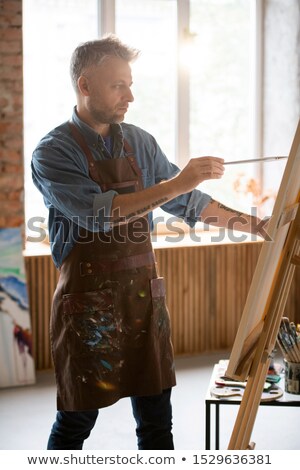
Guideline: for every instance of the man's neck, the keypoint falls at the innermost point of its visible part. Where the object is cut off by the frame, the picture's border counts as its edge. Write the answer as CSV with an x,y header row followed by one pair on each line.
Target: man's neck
x,y
102,129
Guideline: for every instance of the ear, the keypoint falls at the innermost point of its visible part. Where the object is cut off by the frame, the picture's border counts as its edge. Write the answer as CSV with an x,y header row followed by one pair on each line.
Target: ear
x,y
83,85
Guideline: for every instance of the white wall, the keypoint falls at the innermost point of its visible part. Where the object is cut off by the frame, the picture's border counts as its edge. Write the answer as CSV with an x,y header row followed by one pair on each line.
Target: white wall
x,y
281,103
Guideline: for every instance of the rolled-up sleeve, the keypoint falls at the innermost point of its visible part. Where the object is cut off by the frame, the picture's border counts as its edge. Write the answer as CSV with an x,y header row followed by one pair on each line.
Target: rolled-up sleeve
x,y
188,206
102,209
198,201
66,186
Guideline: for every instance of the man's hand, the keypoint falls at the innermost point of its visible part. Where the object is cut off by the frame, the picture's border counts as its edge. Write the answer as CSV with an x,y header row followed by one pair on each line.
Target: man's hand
x,y
198,170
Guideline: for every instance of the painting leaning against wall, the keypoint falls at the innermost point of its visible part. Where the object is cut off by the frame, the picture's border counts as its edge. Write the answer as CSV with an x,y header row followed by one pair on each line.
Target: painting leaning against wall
x,y
16,360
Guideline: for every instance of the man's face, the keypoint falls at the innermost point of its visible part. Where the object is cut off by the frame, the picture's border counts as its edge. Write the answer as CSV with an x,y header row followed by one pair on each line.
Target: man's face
x,y
109,91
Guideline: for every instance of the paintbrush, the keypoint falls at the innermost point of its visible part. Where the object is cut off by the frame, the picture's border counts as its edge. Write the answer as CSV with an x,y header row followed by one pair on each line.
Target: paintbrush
x,y
288,339
253,160
291,328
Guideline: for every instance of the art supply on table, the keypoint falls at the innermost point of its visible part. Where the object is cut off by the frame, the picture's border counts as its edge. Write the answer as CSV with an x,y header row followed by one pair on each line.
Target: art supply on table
x,y
224,382
289,342
292,377
253,160
275,369
237,393
226,388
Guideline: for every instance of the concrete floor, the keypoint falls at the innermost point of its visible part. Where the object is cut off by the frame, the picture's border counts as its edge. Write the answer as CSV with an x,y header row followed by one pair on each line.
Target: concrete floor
x,y
27,413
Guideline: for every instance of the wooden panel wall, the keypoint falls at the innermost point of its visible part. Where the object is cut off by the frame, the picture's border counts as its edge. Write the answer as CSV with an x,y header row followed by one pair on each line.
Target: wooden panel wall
x,y
42,277
207,287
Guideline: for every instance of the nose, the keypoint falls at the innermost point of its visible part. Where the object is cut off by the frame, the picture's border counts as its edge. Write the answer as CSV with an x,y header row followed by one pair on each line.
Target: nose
x,y
129,95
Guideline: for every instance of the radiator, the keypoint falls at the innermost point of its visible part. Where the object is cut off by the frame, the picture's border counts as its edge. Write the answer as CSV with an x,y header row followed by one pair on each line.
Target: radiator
x,y
206,286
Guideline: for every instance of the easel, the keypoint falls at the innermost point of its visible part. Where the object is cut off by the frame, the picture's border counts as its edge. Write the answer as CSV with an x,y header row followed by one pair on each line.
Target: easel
x,y
255,353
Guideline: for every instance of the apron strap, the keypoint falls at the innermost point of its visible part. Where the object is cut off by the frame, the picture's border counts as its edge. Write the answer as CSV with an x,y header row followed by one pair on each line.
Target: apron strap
x,y
78,137
84,147
128,149
133,163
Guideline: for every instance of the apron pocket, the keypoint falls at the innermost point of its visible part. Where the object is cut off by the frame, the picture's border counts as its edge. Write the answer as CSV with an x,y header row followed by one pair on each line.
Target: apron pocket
x,y
90,322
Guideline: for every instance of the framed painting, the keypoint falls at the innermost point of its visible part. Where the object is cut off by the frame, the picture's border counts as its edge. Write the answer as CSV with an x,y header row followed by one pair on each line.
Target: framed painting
x,y
16,359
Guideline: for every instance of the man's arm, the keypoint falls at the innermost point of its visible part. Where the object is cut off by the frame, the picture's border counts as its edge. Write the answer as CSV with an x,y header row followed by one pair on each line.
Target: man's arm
x,y
128,206
219,215
125,207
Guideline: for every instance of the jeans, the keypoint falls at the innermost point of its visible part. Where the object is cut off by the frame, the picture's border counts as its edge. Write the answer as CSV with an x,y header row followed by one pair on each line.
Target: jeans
x,y
153,417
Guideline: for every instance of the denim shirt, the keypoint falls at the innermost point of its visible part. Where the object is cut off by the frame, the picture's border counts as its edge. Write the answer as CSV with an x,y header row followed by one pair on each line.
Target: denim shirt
x,y
74,200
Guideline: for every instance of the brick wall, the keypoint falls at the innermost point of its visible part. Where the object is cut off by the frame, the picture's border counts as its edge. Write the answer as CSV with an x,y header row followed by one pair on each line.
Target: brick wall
x,y
11,115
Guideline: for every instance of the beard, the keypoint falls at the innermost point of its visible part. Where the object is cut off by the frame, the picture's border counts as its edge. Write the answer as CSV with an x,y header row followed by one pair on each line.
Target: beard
x,y
105,116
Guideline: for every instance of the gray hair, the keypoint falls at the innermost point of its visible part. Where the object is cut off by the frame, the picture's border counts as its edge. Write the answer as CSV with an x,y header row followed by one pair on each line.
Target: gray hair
x,y
95,52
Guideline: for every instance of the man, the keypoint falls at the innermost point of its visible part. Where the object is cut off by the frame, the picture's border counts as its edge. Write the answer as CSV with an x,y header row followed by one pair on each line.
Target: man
x,y
101,178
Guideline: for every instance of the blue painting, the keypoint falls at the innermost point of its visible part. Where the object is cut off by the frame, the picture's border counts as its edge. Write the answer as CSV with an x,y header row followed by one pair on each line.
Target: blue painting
x,y
16,359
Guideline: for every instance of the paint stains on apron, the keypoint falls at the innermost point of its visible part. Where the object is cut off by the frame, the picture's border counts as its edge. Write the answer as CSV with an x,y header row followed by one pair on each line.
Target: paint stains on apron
x,y
110,327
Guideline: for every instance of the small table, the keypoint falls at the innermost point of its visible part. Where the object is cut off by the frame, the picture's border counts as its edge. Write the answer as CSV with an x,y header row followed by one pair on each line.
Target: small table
x,y
287,399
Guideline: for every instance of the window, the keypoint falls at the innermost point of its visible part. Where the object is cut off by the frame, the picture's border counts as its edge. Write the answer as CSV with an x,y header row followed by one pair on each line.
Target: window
x,y
193,84
151,27
221,89
51,31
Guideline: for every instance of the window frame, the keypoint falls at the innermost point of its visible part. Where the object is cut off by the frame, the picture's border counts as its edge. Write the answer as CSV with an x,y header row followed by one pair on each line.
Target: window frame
x,y
106,24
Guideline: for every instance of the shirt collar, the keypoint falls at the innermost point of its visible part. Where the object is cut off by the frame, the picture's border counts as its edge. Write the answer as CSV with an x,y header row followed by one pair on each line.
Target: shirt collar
x,y
93,138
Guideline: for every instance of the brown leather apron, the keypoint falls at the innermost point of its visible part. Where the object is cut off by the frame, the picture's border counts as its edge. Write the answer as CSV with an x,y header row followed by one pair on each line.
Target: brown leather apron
x,y
110,327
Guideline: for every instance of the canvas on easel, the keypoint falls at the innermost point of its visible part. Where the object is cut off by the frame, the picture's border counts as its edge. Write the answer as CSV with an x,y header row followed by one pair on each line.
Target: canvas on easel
x,y
16,358
264,308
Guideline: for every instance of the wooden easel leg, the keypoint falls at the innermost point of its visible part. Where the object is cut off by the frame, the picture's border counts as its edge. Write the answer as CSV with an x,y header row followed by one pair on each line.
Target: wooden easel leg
x,y
242,430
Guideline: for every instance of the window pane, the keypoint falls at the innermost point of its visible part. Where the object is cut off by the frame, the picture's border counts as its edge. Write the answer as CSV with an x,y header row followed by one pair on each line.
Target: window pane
x,y
220,93
150,26
52,30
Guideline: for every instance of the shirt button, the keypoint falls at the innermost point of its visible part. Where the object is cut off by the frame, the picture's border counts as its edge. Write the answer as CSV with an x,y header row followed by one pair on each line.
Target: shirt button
x,y
89,271
88,265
